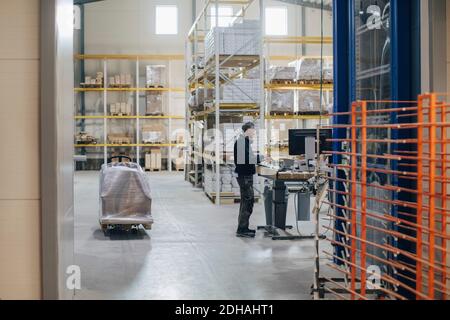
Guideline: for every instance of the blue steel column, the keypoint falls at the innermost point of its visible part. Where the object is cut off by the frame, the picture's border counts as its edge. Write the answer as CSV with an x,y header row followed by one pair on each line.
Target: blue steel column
x,y
342,85
405,63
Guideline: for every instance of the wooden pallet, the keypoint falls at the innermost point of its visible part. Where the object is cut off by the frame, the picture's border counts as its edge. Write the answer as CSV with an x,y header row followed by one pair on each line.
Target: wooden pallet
x,y
312,113
155,87
120,86
236,61
153,170
92,86
120,115
158,114
283,81
279,114
312,82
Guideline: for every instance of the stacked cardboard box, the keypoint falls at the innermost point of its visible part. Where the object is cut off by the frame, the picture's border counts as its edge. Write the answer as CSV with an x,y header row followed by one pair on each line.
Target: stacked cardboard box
x,y
120,139
178,163
90,81
228,181
239,39
120,80
121,108
155,75
153,160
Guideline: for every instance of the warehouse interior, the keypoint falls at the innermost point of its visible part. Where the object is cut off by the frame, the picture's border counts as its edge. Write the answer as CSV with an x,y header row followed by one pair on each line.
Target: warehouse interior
x,y
136,109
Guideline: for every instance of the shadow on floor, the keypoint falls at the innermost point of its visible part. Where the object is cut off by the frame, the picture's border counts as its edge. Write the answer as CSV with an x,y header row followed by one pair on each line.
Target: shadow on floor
x,y
116,235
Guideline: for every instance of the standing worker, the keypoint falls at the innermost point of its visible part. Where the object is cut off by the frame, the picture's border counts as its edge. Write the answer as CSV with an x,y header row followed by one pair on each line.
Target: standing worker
x,y
246,161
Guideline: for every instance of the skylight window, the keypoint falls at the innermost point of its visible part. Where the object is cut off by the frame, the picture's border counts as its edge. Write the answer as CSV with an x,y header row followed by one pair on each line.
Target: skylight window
x,y
166,20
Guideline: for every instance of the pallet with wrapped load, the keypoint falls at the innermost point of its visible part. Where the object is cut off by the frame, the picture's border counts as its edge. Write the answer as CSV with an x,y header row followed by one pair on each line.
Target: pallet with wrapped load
x,y
154,104
241,39
281,102
281,75
198,97
308,102
311,70
153,134
155,76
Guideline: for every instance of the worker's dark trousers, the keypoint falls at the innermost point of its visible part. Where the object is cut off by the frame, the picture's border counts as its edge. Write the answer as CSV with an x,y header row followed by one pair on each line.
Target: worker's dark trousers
x,y
247,201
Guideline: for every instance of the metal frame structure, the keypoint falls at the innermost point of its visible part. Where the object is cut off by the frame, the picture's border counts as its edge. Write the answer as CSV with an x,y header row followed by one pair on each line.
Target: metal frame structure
x,y
405,86
214,77
196,159
104,58
429,226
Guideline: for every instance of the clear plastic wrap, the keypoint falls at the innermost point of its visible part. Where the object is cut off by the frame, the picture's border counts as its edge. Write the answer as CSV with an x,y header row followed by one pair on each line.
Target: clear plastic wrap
x,y
197,99
125,197
154,133
311,69
281,101
155,75
309,101
154,104
281,73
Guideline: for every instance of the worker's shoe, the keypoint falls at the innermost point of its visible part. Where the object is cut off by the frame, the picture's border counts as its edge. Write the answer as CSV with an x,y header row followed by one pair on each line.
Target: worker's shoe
x,y
245,233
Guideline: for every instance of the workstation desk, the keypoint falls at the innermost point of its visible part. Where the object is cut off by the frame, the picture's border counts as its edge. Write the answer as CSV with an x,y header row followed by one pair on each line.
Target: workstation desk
x,y
276,200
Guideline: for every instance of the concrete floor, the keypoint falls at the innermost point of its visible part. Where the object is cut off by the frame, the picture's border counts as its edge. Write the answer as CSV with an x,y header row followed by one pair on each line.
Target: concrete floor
x,y
191,253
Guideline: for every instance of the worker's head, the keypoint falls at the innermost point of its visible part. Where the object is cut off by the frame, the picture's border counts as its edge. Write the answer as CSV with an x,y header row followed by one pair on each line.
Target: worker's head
x,y
249,129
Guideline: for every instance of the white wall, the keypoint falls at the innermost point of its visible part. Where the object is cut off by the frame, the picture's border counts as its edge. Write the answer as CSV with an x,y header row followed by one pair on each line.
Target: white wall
x,y
128,27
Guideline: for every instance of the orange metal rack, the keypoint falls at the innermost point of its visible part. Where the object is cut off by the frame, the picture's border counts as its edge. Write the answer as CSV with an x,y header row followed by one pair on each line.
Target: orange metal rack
x,y
423,272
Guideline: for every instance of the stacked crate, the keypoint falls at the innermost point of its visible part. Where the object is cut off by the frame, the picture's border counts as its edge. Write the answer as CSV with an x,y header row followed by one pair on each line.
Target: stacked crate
x,y
153,160
239,39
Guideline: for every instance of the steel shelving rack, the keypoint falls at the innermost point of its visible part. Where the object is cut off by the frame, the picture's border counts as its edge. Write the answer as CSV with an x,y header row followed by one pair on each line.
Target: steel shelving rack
x,y
213,77
210,77
105,91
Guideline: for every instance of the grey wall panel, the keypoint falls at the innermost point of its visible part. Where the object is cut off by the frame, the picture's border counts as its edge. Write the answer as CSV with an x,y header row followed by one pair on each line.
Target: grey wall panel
x,y
57,139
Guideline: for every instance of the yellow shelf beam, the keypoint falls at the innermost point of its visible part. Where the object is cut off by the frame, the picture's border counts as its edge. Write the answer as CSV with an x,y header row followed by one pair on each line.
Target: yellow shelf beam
x,y
129,56
129,117
299,117
130,89
326,87
161,145
298,40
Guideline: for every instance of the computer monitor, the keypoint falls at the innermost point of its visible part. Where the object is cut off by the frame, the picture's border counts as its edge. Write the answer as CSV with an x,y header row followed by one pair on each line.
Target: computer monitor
x,y
298,138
